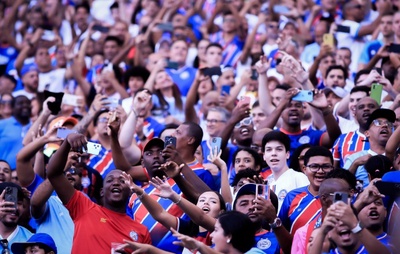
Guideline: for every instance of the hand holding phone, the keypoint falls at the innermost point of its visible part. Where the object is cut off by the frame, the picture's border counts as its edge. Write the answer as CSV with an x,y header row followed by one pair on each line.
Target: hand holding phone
x,y
244,100
64,132
225,90
328,40
341,196
11,195
304,96
169,140
216,144
376,92
92,148
262,190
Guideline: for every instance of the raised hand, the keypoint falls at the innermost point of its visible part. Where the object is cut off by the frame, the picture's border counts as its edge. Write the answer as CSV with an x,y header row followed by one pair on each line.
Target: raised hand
x,y
98,103
263,65
294,68
171,168
215,158
319,100
6,207
140,102
114,123
186,241
77,141
45,105
163,187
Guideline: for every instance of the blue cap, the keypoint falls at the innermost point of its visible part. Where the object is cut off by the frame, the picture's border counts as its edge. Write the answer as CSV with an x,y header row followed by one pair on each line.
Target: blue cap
x,y
392,176
41,239
28,68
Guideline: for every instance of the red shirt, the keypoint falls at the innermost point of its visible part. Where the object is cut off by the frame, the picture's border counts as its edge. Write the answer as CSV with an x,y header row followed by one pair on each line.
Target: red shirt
x,y
96,227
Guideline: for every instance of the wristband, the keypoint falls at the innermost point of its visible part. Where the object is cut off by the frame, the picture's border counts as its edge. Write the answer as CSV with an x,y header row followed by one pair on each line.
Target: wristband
x,y
141,195
179,200
357,228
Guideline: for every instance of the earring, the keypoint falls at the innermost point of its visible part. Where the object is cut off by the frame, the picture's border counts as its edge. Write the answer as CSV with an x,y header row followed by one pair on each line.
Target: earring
x,y
228,240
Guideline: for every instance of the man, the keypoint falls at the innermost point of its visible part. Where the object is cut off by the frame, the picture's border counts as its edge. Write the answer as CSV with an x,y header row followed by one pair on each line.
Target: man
x,y
355,141
257,114
14,129
380,128
38,243
10,231
301,205
335,75
96,227
213,55
276,147
184,76
30,80
311,50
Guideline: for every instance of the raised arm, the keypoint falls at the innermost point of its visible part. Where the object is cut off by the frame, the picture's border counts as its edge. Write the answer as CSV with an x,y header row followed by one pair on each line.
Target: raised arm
x,y
97,104
55,168
215,158
191,99
262,67
392,144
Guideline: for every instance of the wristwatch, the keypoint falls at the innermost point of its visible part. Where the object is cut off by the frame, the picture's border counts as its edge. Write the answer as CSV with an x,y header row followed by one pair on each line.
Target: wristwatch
x,y
357,228
276,224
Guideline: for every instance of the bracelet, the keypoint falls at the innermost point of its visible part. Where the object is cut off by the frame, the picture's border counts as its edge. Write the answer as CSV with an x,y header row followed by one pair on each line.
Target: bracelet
x,y
134,112
141,195
357,228
179,200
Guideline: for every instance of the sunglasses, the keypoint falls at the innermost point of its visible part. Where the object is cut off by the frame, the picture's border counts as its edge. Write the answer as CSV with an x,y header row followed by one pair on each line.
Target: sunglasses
x,y
245,122
380,123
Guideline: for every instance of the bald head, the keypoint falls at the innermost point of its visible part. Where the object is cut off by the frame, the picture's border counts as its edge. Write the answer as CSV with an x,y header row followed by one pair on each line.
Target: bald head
x,y
329,186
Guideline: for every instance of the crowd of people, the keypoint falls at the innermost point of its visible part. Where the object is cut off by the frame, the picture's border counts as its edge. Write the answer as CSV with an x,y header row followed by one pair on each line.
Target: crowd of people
x,y
199,126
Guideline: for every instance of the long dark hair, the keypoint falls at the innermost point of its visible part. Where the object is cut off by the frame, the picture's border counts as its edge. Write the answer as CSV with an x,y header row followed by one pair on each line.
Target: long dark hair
x,y
177,96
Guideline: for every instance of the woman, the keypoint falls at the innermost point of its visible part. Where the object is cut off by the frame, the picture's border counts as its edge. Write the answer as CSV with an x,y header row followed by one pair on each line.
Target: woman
x,y
245,158
168,101
297,158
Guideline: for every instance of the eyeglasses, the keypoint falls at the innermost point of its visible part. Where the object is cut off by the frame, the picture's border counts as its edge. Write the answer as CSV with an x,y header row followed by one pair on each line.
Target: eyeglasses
x,y
102,120
316,167
380,123
229,20
4,244
245,122
6,102
256,147
72,171
214,121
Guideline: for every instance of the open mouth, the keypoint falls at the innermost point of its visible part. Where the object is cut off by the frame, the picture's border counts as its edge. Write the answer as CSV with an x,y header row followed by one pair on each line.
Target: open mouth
x,y
384,131
373,215
206,209
319,178
274,161
115,190
345,234
245,131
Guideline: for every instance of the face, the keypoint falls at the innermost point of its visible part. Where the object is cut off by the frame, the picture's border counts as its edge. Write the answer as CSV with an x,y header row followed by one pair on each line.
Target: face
x,y
210,100
244,204
205,85
258,116
11,219
364,109
74,176
152,160
110,49
152,9
229,24
199,154
22,107
219,239
135,83
5,172
317,176
289,30
343,55
101,127
31,81
275,155
115,190
379,134
227,78
328,5
244,160
354,99
356,9
319,32
386,26
81,17
277,95
301,159
42,58
201,49
61,58
178,20
343,237
213,56
325,63
178,52
209,203
215,123
335,78
182,139
6,86
373,215
34,249
332,99
397,122
396,24
5,106
163,80
97,60
243,131
293,114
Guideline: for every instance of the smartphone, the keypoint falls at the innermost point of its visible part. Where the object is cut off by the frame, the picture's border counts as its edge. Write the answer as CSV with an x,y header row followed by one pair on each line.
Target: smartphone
x,y
101,29
281,9
55,106
379,70
167,27
73,100
340,196
343,29
216,143
244,100
254,74
388,188
304,96
112,103
11,195
225,89
64,132
212,71
92,148
262,190
169,140
328,40
394,48
48,35
376,92
172,65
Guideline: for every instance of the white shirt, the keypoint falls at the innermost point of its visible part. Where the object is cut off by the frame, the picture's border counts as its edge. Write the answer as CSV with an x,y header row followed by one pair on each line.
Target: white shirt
x,y
288,181
52,81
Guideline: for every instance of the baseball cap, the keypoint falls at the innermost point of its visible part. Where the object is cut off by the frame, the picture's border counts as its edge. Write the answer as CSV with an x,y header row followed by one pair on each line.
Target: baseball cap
x,y
247,189
382,113
41,239
337,90
28,68
154,142
62,120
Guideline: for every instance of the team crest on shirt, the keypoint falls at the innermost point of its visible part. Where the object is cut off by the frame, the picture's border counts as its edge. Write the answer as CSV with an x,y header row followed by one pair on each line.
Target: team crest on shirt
x,y
184,75
282,194
133,235
304,140
10,51
263,244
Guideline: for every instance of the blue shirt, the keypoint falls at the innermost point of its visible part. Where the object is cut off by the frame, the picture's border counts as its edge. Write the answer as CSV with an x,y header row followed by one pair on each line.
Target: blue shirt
x,y
183,78
370,49
308,136
361,173
310,52
383,238
12,134
7,54
267,242
20,234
